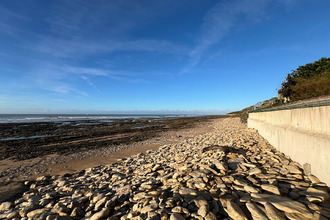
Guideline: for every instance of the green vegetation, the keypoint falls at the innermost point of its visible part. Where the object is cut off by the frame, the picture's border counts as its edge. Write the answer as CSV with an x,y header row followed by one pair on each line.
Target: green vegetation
x,y
310,80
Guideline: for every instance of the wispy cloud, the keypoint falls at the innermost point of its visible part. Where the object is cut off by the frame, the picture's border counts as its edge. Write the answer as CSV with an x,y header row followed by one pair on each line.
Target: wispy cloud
x,y
84,47
53,80
85,71
89,82
224,17
62,79
104,27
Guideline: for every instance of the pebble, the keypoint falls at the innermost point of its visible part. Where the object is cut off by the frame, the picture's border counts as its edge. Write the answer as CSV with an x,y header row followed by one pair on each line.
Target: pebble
x,y
182,181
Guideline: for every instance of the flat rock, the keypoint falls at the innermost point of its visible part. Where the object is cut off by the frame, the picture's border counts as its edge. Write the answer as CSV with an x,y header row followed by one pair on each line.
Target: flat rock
x,y
37,212
176,216
282,203
200,201
292,169
149,208
314,179
273,213
251,189
255,211
101,214
235,212
255,171
203,210
270,188
187,191
139,196
5,206
210,216
297,216
319,193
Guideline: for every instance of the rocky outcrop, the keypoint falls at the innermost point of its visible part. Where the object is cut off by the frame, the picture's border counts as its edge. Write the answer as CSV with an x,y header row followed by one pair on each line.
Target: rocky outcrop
x,y
180,181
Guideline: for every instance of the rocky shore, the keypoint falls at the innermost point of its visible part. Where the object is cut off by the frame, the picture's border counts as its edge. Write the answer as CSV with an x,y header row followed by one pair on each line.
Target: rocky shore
x,y
246,179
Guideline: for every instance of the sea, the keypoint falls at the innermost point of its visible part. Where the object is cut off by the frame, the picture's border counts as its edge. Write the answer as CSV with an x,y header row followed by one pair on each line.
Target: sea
x,y
33,118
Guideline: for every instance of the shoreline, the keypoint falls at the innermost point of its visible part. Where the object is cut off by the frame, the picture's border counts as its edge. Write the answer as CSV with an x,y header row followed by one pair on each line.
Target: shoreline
x,y
13,173
228,172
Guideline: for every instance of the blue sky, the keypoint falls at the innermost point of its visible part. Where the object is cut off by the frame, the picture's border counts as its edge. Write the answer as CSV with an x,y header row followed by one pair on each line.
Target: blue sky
x,y
72,56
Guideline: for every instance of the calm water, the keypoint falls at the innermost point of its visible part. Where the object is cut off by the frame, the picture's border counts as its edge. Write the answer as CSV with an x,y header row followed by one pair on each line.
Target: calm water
x,y
30,118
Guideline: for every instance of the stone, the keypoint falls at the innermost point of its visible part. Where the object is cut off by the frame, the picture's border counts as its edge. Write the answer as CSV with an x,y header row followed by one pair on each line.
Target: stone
x,y
187,191
245,199
284,171
314,179
311,192
249,165
307,169
100,203
12,215
270,188
210,216
221,166
235,212
314,199
203,210
255,211
139,196
176,216
200,201
149,208
36,212
292,169
77,211
251,189
5,206
200,185
101,214
297,216
282,203
319,216
252,180
254,171
272,213
177,209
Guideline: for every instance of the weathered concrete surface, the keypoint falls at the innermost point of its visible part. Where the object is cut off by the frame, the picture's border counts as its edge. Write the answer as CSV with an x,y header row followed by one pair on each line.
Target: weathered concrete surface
x,y
303,134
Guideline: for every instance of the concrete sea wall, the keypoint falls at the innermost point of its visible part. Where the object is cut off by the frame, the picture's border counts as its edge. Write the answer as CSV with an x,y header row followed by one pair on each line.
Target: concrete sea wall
x,y
301,133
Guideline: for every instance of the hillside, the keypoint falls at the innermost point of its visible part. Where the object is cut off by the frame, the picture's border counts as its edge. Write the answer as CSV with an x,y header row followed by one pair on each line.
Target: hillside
x,y
243,114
